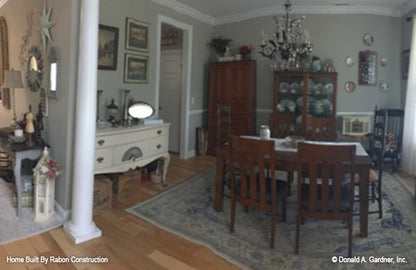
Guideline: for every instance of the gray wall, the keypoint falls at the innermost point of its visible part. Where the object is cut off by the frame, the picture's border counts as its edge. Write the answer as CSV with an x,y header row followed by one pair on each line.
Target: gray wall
x,y
114,13
59,123
334,37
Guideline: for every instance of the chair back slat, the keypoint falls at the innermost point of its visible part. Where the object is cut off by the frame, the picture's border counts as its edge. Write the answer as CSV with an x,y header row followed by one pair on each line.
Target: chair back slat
x,y
252,159
325,166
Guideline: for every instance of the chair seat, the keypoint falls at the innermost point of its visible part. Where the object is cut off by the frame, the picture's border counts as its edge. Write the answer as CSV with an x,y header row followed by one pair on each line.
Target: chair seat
x,y
281,189
344,207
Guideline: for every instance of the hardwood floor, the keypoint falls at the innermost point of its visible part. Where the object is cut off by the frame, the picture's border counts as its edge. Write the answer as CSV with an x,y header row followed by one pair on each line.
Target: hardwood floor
x,y
127,241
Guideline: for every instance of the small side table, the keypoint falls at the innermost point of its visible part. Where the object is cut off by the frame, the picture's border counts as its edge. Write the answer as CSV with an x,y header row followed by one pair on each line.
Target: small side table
x,y
18,153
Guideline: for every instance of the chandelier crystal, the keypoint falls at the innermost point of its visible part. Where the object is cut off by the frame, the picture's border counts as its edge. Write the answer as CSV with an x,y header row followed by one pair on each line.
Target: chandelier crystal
x,y
290,43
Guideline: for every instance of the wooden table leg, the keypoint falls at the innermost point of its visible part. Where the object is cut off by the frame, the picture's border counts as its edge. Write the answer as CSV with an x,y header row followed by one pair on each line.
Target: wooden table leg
x,y
219,185
364,183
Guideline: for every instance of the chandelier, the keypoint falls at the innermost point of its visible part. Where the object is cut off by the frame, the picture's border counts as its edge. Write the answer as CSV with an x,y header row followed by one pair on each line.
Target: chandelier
x,y
290,44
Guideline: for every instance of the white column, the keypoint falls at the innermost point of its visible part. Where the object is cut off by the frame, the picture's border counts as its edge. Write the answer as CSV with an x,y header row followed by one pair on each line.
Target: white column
x,y
81,226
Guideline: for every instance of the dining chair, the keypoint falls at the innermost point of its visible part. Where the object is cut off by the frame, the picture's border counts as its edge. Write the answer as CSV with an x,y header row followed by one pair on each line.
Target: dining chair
x,y
222,147
253,182
283,125
329,193
320,129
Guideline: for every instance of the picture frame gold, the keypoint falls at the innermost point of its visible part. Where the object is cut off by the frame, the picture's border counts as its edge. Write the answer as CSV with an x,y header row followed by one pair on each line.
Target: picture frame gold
x,y
136,68
137,35
4,62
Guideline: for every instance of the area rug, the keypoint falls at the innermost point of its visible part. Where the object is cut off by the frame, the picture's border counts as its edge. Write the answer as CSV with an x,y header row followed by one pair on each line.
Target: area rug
x,y
12,227
186,210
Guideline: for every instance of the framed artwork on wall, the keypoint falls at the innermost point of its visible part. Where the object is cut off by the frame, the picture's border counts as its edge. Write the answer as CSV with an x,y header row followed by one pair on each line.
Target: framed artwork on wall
x,y
137,35
367,68
135,68
107,47
4,62
405,64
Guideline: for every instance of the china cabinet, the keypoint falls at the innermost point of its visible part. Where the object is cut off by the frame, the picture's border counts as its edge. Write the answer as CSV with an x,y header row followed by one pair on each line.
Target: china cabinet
x,y
301,97
232,84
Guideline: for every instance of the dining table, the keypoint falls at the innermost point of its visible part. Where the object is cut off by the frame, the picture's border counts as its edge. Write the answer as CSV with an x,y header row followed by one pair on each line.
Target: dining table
x,y
286,159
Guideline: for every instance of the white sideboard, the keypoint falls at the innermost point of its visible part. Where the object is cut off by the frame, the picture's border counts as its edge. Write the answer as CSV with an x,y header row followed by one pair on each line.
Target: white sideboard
x,y
124,148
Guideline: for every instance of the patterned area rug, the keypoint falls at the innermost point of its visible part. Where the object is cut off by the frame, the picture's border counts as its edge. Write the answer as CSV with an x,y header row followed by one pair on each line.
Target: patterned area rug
x,y
186,210
12,227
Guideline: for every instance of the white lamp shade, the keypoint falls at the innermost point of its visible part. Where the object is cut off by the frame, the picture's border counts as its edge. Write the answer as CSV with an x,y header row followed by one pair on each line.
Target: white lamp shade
x,y
12,79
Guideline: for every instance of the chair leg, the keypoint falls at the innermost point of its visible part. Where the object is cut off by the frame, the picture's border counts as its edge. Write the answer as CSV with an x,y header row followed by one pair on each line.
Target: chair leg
x,y
298,218
379,200
232,214
273,225
283,208
349,221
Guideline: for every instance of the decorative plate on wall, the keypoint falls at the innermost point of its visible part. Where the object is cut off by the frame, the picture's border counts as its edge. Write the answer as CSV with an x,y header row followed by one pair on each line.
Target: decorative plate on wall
x,y
383,61
349,61
368,39
383,86
349,86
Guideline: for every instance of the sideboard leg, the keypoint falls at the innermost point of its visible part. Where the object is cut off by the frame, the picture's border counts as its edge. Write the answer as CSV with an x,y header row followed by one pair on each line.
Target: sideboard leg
x,y
166,161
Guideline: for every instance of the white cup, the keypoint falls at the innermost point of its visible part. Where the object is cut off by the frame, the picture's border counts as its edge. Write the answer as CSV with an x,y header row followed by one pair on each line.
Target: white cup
x,y
18,132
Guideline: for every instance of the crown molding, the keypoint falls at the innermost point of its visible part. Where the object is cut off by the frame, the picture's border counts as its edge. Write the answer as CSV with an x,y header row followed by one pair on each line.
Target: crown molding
x,y
185,10
2,2
407,7
277,10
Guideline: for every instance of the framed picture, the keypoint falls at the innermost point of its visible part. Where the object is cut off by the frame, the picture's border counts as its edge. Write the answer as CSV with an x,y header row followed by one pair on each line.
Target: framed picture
x,y
107,47
405,64
137,35
367,68
135,68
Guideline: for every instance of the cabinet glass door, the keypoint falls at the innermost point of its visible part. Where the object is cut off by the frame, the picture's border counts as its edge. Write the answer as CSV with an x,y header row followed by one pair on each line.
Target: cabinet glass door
x,y
321,96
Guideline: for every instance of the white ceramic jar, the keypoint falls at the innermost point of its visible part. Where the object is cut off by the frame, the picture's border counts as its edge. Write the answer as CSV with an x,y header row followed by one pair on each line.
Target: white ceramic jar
x,y
264,132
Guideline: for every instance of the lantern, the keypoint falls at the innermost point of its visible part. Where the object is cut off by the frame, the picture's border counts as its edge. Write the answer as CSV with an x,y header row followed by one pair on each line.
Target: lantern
x,y
44,174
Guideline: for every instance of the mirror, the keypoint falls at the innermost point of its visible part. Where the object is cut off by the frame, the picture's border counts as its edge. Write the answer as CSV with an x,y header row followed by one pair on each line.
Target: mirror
x,y
53,72
367,68
34,74
141,110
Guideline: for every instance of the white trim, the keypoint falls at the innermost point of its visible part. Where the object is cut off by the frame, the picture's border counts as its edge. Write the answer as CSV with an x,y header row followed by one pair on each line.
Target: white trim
x,y
193,112
264,111
3,2
187,68
355,113
407,7
190,154
186,10
276,10
63,214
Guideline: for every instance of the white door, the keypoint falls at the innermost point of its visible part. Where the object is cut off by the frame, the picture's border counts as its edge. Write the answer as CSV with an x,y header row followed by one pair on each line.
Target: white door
x,y
170,94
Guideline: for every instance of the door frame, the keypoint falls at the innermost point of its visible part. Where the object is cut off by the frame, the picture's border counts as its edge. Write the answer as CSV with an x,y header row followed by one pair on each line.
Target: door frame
x,y
186,77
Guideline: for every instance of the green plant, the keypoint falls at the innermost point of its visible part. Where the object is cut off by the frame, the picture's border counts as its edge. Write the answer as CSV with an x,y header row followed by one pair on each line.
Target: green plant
x,y
220,45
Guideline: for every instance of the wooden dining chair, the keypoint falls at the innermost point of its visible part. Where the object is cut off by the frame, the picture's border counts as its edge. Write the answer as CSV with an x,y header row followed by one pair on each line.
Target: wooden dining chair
x,y
254,160
329,194
283,125
320,129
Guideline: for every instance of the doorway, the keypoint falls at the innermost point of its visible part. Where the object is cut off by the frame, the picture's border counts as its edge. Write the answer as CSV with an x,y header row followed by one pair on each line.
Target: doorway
x,y
171,82
182,128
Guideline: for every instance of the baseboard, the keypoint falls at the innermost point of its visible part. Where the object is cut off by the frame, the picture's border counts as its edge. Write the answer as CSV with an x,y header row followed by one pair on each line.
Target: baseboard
x,y
63,214
189,154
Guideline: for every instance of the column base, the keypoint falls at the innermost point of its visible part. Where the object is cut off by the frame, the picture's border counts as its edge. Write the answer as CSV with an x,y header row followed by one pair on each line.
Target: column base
x,y
80,237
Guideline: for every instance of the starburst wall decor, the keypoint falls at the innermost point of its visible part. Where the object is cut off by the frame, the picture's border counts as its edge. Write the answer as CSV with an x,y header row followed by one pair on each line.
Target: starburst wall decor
x,y
46,25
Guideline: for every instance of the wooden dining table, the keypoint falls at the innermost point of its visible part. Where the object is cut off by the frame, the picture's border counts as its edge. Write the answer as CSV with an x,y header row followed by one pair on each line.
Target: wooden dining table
x,y
286,158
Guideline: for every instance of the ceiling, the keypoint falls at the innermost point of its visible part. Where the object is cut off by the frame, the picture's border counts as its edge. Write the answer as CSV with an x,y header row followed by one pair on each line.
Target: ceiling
x,y
224,11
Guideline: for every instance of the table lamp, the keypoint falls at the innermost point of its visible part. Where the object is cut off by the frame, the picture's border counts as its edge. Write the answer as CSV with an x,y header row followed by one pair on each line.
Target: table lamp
x,y
13,80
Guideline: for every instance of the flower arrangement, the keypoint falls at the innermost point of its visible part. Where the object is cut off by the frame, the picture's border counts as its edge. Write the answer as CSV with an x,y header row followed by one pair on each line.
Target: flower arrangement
x,y
245,51
50,169
220,45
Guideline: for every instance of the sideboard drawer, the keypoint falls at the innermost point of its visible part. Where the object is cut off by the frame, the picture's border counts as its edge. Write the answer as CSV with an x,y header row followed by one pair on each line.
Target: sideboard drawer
x,y
103,158
130,152
159,145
